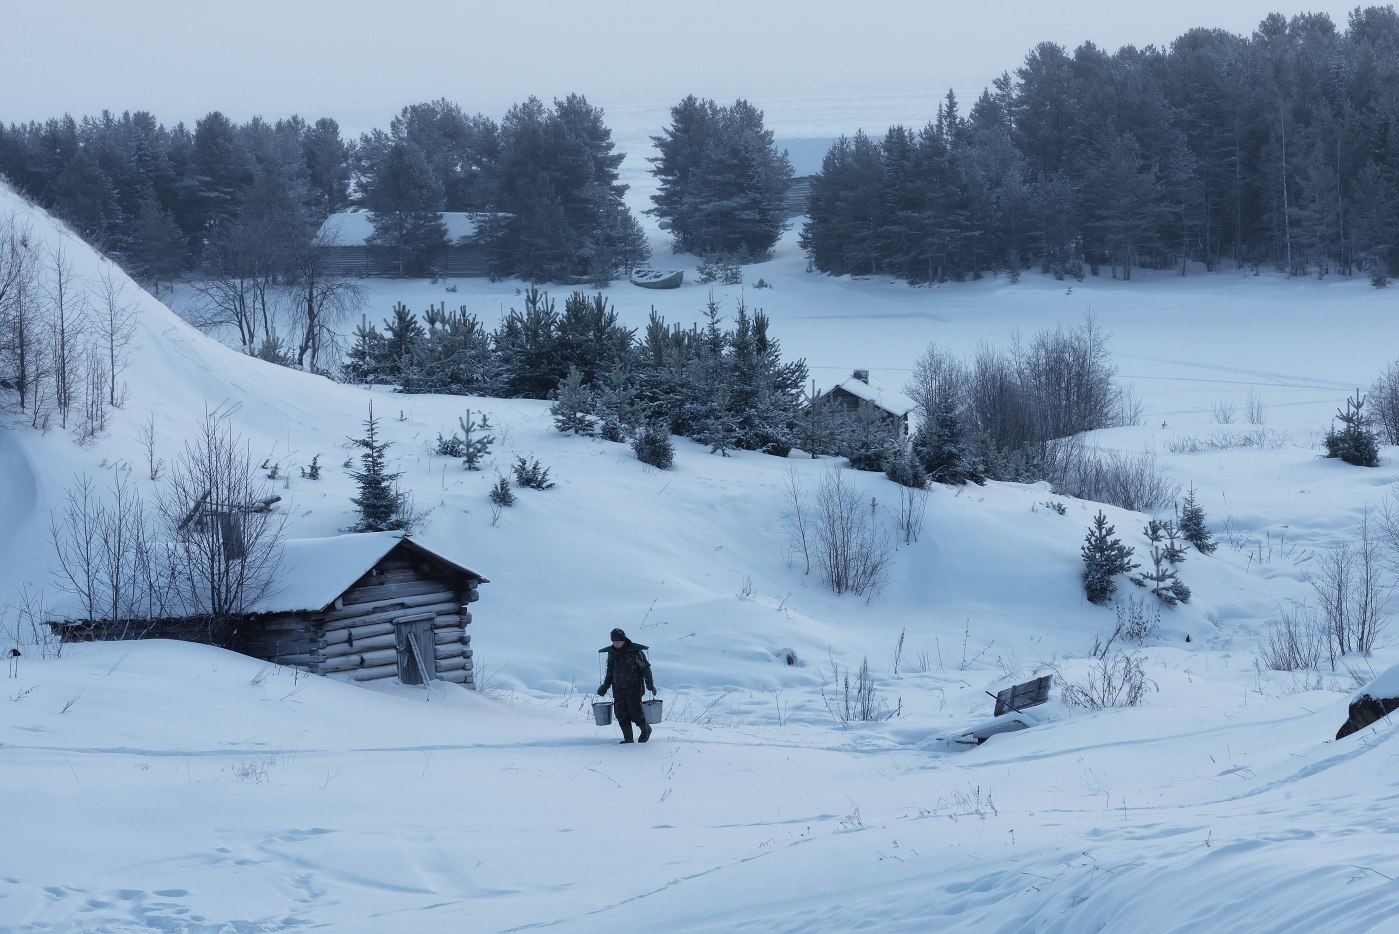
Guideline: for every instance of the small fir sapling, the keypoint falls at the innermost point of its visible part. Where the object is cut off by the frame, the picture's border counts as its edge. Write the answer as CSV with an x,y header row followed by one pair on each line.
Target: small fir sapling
x,y
532,474
501,494
1356,442
473,448
1162,580
1104,557
1191,520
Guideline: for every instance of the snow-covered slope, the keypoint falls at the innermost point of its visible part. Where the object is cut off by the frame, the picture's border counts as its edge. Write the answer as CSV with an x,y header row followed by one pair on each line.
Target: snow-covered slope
x,y
184,788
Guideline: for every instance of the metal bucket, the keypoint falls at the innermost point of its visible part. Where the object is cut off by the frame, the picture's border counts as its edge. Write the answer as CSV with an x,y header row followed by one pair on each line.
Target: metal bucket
x,y
651,710
602,712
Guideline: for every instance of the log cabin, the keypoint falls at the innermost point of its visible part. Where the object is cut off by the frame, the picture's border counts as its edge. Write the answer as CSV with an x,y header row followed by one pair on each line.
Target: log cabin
x,y
362,607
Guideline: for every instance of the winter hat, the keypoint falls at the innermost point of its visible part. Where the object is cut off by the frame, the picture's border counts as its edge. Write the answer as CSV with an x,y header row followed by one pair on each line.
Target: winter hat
x,y
618,636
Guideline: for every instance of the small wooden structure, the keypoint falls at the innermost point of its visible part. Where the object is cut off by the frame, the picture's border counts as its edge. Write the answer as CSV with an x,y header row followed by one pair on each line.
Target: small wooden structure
x,y
370,606
860,388
366,606
1030,694
1010,714
344,239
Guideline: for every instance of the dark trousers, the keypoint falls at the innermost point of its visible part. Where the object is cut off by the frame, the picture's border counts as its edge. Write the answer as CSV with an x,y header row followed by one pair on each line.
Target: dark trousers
x,y
627,706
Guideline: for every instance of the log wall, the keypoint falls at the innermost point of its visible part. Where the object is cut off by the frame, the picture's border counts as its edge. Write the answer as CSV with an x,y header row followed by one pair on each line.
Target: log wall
x,y
357,635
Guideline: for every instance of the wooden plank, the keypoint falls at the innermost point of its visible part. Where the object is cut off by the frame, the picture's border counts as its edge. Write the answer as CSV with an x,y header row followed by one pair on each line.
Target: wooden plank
x,y
1029,694
452,664
368,644
362,660
354,633
455,636
387,611
375,673
380,592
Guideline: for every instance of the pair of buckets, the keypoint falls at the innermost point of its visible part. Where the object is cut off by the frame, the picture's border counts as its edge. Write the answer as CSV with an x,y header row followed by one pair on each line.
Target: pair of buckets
x,y
651,709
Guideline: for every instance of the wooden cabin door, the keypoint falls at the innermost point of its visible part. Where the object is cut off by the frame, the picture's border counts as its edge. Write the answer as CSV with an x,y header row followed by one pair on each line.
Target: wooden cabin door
x,y
414,640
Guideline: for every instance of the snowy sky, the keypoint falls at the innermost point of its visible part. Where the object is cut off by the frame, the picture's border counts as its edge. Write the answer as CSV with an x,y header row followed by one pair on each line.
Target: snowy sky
x,y
361,61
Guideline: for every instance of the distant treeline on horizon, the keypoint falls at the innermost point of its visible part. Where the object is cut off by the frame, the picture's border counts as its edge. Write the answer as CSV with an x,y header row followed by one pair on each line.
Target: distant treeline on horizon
x,y
1277,150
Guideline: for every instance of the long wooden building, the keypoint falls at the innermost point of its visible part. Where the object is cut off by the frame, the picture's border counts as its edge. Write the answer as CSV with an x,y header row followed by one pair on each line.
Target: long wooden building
x,y
364,606
344,240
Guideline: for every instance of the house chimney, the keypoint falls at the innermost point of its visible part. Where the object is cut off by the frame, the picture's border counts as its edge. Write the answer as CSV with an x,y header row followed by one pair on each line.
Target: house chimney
x,y
863,376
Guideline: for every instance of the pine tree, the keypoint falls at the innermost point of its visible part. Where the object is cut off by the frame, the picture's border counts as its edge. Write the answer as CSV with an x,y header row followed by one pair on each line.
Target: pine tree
x,y
501,494
1191,519
1104,557
573,405
382,506
940,446
1162,580
1356,442
475,444
653,446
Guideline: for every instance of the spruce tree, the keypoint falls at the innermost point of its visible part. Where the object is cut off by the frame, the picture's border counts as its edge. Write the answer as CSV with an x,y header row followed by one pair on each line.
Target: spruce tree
x,y
1191,520
940,445
1356,442
382,506
1104,557
1162,580
573,405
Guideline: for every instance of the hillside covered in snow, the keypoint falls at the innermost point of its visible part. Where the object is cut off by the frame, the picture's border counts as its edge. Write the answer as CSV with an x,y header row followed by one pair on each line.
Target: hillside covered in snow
x,y
173,786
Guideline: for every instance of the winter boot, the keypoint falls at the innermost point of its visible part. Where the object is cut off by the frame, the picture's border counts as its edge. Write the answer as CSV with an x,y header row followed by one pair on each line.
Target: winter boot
x,y
645,732
626,731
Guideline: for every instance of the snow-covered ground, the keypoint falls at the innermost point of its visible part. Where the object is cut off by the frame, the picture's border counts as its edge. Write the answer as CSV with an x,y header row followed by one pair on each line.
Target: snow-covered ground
x,y
155,785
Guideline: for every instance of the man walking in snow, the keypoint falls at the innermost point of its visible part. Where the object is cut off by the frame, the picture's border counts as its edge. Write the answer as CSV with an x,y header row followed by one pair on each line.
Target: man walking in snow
x,y
628,672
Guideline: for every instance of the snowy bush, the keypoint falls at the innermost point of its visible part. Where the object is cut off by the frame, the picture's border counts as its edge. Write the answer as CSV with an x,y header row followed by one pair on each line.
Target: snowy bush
x,y
1116,680
851,551
532,474
653,446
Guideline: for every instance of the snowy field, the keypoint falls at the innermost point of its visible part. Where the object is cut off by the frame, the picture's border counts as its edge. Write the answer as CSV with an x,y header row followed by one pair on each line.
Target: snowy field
x,y
163,786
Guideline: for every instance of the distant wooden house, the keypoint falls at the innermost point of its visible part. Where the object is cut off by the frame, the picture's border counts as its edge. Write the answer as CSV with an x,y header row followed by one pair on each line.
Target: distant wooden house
x,y
861,388
366,606
344,238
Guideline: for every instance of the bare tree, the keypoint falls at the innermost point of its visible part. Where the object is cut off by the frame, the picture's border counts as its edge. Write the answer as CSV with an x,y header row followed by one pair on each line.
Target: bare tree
x,y
115,319
322,302
21,341
67,322
107,554
852,550
797,518
225,535
913,505
1353,592
938,379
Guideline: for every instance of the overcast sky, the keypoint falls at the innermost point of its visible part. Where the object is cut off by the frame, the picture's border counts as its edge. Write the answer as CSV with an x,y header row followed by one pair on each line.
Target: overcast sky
x,y
362,61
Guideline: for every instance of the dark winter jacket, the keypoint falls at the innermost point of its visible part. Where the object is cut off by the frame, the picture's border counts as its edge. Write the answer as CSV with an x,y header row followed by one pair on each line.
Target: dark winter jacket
x,y
627,670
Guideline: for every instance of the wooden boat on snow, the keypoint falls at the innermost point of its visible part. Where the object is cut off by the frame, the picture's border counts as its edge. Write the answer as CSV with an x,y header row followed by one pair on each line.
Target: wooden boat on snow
x,y
649,278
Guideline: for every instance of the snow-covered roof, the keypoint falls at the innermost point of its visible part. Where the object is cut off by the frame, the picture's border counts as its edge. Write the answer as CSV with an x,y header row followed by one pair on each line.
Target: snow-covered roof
x,y
352,228
315,571
872,390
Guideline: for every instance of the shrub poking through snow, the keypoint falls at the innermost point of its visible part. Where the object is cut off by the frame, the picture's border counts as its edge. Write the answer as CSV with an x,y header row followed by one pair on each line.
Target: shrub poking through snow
x,y
532,474
501,494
